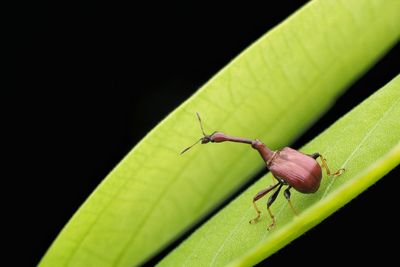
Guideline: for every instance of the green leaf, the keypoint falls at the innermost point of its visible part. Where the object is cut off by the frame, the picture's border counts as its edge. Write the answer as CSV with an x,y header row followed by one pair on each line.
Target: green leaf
x,y
273,91
366,142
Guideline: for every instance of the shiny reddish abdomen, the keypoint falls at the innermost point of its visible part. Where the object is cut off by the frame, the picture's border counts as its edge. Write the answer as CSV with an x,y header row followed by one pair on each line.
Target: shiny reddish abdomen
x,y
300,171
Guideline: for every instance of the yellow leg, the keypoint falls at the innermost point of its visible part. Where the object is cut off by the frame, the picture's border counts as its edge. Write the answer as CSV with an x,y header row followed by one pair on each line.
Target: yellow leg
x,y
257,197
272,225
287,196
325,165
328,172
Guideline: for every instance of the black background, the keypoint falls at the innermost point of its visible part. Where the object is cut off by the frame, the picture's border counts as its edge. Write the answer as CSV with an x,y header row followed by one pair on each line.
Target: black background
x,y
93,78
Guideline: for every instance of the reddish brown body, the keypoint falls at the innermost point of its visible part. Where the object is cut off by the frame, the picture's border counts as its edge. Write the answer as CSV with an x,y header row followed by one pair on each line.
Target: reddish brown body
x,y
290,167
298,170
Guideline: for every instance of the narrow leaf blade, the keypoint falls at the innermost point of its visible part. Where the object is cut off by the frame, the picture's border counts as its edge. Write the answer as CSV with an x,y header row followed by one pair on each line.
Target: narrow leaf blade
x,y
366,142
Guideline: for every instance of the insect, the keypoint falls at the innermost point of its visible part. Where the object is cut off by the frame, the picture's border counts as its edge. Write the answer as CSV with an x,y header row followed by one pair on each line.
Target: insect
x,y
288,166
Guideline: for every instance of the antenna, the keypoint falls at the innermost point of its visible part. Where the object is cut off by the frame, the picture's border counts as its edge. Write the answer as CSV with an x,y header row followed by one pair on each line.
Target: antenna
x,y
201,124
186,149
201,139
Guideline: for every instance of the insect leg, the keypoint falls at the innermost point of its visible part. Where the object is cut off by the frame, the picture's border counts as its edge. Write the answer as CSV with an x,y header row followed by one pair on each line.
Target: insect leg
x,y
257,197
325,165
269,203
287,196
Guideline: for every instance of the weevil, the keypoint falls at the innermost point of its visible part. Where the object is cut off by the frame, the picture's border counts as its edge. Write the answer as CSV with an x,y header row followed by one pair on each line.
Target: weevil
x,y
288,166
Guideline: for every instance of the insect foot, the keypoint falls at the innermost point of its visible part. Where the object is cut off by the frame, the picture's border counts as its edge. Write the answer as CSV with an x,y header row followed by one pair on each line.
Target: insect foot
x,y
253,221
272,225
